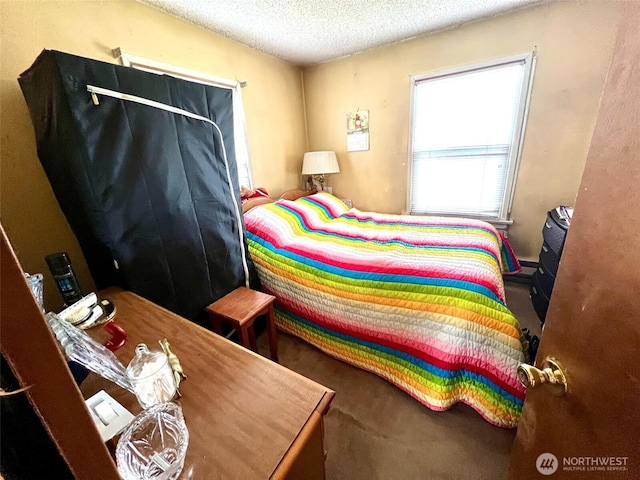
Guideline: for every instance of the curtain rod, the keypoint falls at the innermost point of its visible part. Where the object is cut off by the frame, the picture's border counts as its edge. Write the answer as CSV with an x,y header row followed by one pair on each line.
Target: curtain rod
x,y
142,63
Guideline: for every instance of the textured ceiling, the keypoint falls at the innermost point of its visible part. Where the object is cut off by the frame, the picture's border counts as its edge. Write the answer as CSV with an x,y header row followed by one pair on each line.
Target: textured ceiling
x,y
307,32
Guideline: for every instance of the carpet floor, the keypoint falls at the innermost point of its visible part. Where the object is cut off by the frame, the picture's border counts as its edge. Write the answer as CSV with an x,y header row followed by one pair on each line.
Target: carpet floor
x,y
376,431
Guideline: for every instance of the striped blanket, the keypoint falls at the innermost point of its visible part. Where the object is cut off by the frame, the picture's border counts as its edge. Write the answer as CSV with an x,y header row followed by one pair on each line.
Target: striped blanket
x,y
418,301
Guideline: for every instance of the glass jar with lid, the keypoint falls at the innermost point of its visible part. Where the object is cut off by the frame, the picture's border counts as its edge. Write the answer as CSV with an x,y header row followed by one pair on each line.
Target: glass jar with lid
x,y
151,376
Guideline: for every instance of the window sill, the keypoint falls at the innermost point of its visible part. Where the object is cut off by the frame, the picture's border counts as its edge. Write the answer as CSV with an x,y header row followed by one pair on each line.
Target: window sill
x,y
502,225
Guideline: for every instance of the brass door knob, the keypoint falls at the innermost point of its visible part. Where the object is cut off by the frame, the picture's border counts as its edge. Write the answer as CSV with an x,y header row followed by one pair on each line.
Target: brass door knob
x,y
551,374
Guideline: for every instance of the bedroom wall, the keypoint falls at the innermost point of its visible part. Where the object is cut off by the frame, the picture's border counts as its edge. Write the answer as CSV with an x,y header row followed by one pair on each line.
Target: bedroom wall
x,y
574,42
29,211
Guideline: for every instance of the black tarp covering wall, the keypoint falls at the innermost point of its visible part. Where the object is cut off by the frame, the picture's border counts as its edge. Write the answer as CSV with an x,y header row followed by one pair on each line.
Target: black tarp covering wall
x,y
139,185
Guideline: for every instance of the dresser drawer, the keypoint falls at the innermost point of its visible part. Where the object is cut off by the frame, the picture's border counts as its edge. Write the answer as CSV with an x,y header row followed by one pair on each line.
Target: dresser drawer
x,y
553,235
549,259
543,280
539,301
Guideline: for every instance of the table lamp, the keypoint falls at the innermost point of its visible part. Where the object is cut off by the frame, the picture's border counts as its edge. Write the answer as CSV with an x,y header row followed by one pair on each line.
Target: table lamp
x,y
319,164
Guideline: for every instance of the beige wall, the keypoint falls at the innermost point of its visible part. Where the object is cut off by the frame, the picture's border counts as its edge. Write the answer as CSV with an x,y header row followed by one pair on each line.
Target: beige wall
x,y
30,214
573,42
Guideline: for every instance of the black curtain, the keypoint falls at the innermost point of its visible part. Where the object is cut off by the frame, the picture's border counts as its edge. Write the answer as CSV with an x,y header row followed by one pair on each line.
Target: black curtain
x,y
145,190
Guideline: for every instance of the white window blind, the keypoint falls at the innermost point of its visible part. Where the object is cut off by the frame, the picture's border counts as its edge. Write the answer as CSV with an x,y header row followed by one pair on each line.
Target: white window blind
x,y
465,141
241,143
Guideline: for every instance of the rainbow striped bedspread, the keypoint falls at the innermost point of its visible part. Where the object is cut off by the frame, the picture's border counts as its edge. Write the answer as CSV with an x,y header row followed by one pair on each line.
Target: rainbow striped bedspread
x,y
418,301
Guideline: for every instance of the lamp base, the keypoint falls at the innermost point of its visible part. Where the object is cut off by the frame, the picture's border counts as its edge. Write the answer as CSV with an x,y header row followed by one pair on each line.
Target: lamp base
x,y
317,183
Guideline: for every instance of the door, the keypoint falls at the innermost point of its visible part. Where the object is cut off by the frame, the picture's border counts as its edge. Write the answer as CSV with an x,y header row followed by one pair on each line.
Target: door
x,y
593,323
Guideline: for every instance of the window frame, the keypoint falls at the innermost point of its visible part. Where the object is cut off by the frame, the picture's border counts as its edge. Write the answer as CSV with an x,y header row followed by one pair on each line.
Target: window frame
x,y
154,66
529,59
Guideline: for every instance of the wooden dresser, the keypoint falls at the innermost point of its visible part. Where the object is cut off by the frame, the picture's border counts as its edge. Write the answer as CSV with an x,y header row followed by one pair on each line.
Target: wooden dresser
x,y
248,417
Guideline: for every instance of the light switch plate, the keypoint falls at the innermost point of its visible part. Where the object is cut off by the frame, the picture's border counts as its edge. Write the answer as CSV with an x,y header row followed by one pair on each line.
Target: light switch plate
x,y
109,416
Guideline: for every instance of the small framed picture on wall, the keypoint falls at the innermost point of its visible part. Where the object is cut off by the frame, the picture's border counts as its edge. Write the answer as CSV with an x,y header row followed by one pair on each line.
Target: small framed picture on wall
x,y
358,131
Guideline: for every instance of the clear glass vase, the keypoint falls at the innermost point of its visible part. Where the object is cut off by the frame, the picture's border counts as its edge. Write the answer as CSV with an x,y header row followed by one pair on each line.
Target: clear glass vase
x,y
154,445
35,284
81,348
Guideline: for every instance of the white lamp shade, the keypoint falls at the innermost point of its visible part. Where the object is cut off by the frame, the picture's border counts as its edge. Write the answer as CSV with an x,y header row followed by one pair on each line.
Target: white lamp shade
x,y
318,163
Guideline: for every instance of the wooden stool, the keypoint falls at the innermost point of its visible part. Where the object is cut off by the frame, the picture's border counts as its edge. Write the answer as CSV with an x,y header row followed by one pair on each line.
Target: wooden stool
x,y
240,308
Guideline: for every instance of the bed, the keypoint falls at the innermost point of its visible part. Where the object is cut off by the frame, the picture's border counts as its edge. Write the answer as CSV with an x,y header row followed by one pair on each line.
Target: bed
x,y
417,300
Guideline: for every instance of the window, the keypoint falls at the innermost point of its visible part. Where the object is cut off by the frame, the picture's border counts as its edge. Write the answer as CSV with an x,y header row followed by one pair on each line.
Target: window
x,y
466,134
239,130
